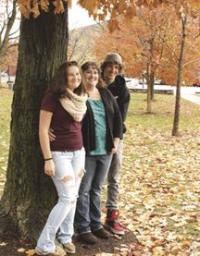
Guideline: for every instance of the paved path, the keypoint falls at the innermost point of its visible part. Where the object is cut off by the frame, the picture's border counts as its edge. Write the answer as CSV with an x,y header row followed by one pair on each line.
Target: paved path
x,y
188,93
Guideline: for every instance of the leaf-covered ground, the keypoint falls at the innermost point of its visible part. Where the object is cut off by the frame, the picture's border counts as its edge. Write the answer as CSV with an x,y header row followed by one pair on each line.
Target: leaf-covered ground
x,y
160,181
160,185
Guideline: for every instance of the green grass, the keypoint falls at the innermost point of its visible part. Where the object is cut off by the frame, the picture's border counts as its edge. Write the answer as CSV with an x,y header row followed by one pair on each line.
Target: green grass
x,y
5,110
163,112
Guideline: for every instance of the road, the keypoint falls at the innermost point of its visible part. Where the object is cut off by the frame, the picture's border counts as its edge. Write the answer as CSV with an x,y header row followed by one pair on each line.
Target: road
x,y
189,93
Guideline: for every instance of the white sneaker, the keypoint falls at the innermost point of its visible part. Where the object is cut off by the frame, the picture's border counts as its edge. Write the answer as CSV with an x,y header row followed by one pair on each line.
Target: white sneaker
x,y
58,252
69,248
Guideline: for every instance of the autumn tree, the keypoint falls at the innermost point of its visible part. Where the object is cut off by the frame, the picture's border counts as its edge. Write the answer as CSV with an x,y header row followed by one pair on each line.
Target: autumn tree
x,y
82,41
186,11
28,194
8,15
10,57
143,39
7,18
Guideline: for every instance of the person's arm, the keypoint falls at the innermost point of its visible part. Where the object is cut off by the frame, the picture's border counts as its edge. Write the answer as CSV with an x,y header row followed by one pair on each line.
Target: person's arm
x,y
44,124
118,125
123,101
116,143
52,136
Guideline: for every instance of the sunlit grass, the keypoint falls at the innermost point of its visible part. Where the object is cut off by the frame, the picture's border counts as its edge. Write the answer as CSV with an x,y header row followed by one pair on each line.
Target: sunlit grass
x,y
163,112
5,109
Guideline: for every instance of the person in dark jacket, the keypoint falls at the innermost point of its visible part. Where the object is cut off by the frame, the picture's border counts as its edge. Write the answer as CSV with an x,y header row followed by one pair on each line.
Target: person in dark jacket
x,y
101,136
111,69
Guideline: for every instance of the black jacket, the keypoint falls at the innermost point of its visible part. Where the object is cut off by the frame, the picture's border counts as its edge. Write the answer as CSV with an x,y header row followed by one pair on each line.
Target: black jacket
x,y
114,127
121,93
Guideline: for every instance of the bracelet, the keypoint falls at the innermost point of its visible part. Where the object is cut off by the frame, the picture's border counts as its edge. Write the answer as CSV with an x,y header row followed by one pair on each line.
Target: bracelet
x,y
47,159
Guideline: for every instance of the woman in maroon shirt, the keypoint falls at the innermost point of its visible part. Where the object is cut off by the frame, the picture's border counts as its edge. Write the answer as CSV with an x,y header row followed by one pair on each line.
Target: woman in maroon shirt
x,y
62,109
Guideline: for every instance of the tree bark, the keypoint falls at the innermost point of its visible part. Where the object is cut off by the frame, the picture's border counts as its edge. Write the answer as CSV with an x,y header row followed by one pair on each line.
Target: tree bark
x,y
149,105
152,78
175,129
28,194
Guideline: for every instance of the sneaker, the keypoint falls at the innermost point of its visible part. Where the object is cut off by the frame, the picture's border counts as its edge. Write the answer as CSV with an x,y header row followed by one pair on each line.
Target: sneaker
x,y
112,223
58,252
69,248
101,233
87,238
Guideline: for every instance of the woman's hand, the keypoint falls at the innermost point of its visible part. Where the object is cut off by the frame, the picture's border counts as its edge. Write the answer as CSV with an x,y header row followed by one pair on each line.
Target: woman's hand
x,y
116,143
51,135
49,168
114,150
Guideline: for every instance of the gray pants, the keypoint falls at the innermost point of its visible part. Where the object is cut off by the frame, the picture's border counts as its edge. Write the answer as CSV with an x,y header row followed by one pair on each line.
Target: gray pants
x,y
88,211
113,178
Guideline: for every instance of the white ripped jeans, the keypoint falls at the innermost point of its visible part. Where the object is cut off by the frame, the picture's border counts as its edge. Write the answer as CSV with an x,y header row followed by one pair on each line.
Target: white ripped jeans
x,y
69,169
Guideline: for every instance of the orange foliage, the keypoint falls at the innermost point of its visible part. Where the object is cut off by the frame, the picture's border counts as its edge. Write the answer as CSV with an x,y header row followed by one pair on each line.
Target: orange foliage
x,y
34,7
140,41
153,37
10,58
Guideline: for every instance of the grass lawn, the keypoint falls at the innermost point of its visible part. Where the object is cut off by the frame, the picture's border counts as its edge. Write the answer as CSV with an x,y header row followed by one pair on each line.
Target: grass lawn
x,y
160,184
5,109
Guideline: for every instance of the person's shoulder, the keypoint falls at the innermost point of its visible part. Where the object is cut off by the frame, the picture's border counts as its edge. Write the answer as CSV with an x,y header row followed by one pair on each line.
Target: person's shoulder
x,y
48,95
104,90
106,93
120,80
49,100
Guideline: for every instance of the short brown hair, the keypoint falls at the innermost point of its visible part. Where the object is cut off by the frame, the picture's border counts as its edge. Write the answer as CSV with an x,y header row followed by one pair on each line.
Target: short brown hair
x,y
105,64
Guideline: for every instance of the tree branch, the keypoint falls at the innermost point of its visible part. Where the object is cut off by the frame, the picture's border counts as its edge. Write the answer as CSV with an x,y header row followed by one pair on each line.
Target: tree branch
x,y
9,26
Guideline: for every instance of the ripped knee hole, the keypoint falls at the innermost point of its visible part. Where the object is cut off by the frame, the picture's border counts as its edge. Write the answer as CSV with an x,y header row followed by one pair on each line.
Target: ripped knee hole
x,y
67,178
81,173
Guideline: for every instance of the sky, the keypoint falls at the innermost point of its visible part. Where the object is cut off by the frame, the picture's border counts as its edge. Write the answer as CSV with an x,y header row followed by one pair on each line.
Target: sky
x,y
79,17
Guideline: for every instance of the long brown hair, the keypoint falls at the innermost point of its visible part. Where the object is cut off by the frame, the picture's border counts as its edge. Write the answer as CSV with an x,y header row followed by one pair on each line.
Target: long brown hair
x,y
91,64
59,82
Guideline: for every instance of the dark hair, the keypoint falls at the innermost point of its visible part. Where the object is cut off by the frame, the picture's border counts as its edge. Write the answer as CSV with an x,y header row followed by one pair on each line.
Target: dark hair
x,y
106,63
91,64
59,81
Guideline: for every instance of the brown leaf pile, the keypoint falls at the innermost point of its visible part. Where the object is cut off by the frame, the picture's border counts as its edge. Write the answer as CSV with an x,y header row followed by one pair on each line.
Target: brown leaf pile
x,y
160,192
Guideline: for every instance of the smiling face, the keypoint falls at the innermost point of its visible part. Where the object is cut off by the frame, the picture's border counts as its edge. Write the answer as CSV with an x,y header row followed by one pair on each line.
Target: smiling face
x,y
110,71
73,77
91,76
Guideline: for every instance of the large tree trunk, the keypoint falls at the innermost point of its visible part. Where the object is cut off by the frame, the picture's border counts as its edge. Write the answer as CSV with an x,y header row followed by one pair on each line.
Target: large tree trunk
x,y
175,130
28,194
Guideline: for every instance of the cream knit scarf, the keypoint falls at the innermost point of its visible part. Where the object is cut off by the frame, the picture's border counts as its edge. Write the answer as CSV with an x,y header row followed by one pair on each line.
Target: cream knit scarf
x,y
75,105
